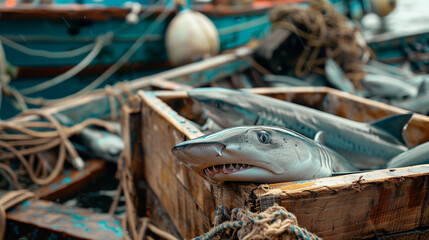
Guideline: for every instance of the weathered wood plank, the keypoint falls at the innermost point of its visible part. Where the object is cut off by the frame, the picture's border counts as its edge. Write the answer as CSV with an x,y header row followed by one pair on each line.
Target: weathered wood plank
x,y
162,174
39,219
70,181
155,210
366,204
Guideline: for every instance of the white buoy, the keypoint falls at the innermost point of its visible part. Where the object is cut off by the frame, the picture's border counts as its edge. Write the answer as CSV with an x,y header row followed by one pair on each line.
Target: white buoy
x,y
191,36
382,7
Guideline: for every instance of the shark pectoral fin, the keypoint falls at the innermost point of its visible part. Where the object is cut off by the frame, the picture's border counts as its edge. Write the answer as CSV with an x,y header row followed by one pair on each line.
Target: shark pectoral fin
x,y
320,137
394,125
345,173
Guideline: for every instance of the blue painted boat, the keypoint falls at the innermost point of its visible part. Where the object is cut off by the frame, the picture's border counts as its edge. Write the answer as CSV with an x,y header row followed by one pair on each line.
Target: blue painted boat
x,y
72,29
398,48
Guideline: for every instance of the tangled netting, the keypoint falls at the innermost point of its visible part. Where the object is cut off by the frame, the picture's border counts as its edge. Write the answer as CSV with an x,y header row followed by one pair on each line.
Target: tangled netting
x,y
325,34
274,223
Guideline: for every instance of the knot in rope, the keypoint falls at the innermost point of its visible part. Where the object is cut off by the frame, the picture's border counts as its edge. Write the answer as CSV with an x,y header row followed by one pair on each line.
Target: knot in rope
x,y
274,223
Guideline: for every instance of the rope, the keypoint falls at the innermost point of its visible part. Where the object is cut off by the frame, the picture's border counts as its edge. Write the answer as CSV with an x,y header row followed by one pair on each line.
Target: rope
x,y
99,43
325,33
274,223
45,53
21,139
20,101
112,69
9,200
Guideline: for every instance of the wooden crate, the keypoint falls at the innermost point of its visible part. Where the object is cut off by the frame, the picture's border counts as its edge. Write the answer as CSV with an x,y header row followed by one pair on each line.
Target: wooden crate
x,y
360,205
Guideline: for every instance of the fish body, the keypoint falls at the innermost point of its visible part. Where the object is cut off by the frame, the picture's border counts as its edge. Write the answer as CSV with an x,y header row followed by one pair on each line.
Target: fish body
x,y
263,154
415,156
420,104
97,142
379,68
286,81
379,140
388,87
337,77
103,144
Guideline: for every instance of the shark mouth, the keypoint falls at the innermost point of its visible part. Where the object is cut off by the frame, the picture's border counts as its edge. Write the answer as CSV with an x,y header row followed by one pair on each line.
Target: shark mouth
x,y
225,169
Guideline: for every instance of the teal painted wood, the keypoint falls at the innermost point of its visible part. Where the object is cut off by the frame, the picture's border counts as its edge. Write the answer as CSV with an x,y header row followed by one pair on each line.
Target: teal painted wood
x,y
47,220
398,48
65,34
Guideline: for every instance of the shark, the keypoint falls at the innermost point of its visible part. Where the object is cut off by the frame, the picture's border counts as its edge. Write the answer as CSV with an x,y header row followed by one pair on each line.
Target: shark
x,y
262,154
366,145
414,156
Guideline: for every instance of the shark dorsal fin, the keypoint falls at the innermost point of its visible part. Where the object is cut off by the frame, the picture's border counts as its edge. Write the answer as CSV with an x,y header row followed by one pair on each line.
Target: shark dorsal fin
x,y
394,125
422,88
320,137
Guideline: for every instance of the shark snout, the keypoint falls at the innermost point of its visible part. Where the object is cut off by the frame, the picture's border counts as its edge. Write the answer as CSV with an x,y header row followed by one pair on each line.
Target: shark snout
x,y
197,153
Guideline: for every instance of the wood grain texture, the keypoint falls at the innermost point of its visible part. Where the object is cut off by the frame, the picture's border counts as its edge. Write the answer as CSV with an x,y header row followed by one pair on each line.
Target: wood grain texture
x,y
47,220
70,181
357,205
190,213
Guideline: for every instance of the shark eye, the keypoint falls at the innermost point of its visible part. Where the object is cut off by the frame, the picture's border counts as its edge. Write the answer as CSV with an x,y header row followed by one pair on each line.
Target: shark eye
x,y
218,104
263,137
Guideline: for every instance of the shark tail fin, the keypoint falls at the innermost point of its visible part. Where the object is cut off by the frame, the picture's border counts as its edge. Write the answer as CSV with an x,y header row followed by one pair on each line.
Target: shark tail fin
x,y
394,125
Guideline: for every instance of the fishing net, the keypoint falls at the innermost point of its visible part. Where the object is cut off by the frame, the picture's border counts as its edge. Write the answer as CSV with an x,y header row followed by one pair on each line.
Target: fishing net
x,y
323,33
273,223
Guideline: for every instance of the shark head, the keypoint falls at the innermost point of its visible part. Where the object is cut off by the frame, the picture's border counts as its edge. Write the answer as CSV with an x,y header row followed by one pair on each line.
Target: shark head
x,y
261,154
225,107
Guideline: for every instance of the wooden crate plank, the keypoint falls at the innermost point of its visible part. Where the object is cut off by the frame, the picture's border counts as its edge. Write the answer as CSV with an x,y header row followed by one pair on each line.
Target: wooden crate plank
x,y
161,172
366,204
61,221
154,209
70,181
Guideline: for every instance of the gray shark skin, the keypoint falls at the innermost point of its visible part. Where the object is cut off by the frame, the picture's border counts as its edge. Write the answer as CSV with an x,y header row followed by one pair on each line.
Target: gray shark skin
x,y
262,154
379,141
415,156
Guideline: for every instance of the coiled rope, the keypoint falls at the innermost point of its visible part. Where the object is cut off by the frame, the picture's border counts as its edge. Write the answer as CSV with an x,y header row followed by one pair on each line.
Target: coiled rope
x,y
19,140
274,223
327,34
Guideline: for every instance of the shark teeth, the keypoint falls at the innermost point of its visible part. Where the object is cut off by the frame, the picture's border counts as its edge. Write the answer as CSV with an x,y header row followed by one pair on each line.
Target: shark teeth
x,y
225,169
